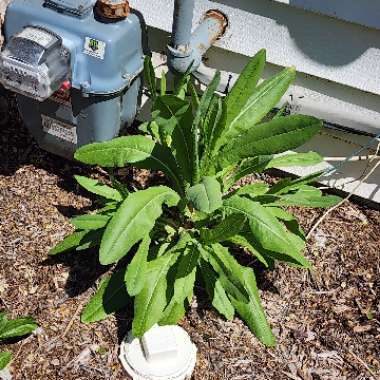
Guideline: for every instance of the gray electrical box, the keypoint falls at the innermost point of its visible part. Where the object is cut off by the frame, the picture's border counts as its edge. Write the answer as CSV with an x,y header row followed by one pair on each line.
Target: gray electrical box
x,y
75,73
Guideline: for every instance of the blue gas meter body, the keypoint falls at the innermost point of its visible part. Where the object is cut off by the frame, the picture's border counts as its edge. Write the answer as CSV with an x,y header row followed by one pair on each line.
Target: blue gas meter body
x,y
77,76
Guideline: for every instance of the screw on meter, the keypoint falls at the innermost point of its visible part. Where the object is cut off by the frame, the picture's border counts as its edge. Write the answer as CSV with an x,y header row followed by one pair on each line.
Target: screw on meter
x,y
34,63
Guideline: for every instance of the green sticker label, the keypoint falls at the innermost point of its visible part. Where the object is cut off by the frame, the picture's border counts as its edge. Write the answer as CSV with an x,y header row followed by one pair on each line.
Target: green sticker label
x,y
94,47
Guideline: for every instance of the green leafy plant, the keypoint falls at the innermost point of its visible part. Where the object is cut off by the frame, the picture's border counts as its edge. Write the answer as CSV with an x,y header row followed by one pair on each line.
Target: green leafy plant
x,y
12,329
191,229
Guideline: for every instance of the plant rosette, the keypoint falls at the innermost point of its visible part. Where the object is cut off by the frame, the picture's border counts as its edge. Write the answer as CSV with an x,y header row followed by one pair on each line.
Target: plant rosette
x,y
189,231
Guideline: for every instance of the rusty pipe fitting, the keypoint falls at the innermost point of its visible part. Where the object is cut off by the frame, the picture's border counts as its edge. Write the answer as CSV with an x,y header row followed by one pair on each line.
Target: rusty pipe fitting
x,y
221,17
212,27
111,9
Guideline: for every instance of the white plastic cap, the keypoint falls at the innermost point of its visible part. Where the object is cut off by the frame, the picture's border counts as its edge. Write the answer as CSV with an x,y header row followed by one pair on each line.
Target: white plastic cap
x,y
163,353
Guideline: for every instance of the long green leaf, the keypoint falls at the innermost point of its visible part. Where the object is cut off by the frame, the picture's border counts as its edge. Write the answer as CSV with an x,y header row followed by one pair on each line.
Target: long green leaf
x,y
194,95
69,243
138,150
287,185
226,229
273,137
206,196
301,199
110,297
245,86
229,271
117,152
290,222
265,97
271,256
79,240
150,303
260,163
250,166
182,83
265,227
295,159
182,282
136,273
258,317
16,327
96,187
90,240
179,246
90,221
167,112
5,359
244,295
119,186
210,120
281,214
178,114
213,126
197,128
133,221
244,242
216,292
3,320
253,189
173,313
186,272
150,76
163,84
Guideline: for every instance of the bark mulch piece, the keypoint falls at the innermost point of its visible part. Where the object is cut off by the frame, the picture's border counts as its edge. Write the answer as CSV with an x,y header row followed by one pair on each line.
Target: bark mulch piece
x,y
327,321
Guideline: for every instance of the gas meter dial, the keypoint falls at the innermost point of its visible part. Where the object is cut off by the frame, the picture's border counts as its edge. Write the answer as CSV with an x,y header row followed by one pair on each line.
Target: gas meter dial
x,y
34,63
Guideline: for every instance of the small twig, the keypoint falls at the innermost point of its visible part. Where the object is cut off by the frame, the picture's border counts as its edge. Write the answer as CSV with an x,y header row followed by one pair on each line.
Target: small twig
x,y
364,364
19,350
70,324
344,200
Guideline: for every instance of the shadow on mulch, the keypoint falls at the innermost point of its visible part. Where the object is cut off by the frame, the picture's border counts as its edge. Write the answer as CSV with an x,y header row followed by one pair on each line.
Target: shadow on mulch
x,y
18,148
84,270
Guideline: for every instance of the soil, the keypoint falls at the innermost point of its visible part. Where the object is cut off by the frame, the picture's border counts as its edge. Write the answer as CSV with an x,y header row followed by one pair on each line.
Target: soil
x,y
327,321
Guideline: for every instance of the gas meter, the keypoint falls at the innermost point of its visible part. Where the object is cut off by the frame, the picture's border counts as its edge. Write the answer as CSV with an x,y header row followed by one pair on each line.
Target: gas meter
x,y
75,66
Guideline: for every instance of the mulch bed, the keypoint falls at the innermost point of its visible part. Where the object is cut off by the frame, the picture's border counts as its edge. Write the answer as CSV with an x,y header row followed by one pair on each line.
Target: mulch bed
x,y
327,321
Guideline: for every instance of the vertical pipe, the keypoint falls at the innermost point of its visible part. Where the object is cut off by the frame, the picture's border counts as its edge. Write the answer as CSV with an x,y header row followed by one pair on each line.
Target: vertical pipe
x,y
182,24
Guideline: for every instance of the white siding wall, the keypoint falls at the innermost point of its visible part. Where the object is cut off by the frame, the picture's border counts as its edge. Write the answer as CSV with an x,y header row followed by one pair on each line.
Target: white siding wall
x,y
337,56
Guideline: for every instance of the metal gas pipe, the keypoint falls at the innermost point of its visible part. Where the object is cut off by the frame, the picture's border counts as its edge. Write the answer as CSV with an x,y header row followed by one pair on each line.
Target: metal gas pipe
x,y
187,49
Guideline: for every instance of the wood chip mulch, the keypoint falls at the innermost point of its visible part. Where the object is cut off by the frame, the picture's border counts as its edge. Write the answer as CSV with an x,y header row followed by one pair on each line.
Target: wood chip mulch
x,y
327,321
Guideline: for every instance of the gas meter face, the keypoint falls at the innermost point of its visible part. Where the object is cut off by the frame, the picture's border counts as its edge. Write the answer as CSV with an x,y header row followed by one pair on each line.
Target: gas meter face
x,y
34,63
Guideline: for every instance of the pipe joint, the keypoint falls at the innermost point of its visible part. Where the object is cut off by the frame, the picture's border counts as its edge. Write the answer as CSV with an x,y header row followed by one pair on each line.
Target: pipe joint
x,y
188,56
181,62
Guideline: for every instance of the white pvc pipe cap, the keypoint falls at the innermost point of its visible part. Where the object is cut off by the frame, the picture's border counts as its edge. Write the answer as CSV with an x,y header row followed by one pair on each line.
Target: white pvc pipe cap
x,y
163,353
